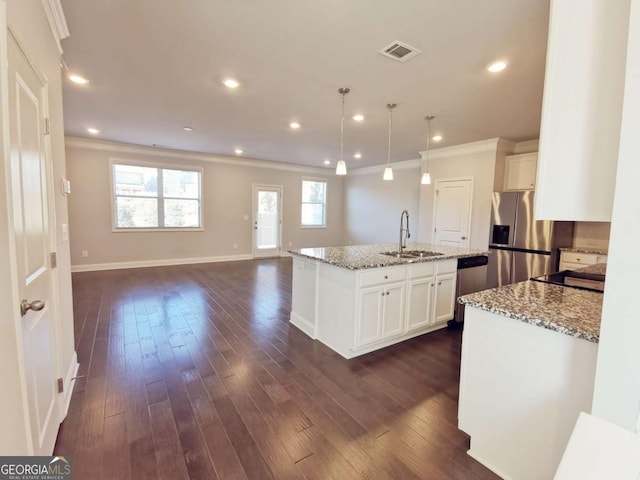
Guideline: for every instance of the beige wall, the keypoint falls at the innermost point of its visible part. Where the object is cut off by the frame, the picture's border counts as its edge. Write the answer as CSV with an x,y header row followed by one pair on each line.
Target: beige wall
x,y
479,164
373,206
227,197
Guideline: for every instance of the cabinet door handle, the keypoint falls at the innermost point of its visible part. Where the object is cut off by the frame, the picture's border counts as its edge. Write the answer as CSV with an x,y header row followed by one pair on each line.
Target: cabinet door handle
x,y
431,285
382,294
386,276
439,283
387,293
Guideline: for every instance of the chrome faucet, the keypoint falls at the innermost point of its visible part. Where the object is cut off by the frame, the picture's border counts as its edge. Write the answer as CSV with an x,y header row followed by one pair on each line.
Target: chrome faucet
x,y
403,243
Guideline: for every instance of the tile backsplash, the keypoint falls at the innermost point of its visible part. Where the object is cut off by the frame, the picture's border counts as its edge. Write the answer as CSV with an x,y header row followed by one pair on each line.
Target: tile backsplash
x,y
591,235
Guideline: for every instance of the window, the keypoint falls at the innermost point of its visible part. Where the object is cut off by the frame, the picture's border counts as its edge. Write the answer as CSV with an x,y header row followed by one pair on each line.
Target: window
x,y
149,197
314,203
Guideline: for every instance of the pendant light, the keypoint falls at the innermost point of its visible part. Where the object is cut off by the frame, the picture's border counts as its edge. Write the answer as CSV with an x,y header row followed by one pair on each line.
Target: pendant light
x,y
426,176
341,166
388,171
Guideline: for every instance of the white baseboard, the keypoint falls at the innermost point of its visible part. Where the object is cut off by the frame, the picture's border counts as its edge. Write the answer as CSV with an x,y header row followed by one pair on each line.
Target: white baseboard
x,y
69,383
479,459
303,324
158,263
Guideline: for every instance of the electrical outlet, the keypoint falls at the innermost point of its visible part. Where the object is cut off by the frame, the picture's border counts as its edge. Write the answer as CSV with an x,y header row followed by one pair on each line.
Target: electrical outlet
x,y
235,246
85,253
291,244
245,217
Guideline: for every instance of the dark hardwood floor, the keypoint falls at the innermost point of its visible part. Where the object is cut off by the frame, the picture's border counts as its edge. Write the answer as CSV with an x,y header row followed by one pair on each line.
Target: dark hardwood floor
x,y
194,372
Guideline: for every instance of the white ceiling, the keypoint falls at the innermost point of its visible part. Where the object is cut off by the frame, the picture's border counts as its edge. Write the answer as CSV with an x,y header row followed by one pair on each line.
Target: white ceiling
x,y
156,66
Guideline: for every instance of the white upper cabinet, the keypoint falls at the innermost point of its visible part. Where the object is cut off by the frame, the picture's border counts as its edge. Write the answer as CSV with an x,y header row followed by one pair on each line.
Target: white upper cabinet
x,y
520,171
581,109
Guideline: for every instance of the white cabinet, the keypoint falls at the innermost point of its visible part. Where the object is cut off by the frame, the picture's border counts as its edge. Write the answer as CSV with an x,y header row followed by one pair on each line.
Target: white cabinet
x,y
359,311
581,110
575,260
431,295
380,308
303,301
520,171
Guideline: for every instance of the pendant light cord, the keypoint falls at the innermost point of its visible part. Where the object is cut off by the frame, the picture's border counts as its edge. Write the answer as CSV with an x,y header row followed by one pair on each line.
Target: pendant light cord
x,y
389,107
426,160
342,128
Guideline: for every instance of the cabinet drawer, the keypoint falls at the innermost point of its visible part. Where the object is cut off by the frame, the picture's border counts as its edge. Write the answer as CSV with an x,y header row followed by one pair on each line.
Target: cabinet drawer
x,y
582,258
446,266
418,270
382,275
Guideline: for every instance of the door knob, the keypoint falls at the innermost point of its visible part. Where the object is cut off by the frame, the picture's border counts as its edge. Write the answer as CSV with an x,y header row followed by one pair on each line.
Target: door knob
x,y
25,306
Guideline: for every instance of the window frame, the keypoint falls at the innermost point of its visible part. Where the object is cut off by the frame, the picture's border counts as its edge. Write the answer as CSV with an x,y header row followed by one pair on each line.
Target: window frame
x,y
326,201
160,166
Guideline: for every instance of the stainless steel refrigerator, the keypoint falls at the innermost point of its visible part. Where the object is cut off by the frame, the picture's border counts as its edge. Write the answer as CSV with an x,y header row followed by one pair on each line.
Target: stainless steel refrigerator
x,y
521,247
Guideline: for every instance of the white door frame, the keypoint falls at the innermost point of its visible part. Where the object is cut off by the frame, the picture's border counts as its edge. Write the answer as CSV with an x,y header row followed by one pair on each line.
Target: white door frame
x,y
254,206
435,205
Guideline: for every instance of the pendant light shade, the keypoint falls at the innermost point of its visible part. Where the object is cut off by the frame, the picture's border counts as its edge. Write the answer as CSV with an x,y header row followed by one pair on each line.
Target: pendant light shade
x,y
341,166
388,171
426,176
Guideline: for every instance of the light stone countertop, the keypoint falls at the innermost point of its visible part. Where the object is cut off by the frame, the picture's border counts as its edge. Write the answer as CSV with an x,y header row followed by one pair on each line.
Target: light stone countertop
x,y
356,257
584,250
566,310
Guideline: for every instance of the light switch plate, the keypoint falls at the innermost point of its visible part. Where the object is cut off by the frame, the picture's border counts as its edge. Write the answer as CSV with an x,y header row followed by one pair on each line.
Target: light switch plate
x,y
66,186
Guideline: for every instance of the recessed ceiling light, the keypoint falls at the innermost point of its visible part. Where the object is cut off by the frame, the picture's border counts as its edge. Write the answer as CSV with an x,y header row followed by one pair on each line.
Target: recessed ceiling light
x,y
187,129
358,118
93,131
231,83
357,155
294,125
497,67
238,151
78,79
436,138
327,162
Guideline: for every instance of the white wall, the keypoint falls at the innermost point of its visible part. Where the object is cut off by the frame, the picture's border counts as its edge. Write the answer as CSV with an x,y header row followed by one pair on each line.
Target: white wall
x,y
373,206
617,386
227,192
477,160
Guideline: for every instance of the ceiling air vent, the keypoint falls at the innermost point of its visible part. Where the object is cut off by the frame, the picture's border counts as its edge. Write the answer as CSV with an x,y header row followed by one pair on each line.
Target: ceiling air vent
x,y
400,51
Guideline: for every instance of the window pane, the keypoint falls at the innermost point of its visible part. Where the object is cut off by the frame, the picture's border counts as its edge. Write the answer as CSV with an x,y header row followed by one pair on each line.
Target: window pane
x,y
181,213
135,181
136,212
312,214
181,184
313,192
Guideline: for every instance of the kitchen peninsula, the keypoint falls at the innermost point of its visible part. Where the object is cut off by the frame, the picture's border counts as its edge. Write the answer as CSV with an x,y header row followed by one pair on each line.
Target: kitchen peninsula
x,y
527,371
360,298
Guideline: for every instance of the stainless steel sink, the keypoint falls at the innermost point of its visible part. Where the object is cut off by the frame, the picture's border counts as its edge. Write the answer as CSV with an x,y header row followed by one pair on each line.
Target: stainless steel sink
x,y
412,254
398,255
422,253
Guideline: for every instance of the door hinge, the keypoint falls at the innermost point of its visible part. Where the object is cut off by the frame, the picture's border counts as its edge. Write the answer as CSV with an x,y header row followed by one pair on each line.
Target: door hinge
x,y
60,385
46,126
54,259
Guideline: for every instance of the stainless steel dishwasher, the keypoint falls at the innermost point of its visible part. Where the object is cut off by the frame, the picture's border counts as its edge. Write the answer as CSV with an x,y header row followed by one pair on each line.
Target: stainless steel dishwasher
x,y
472,277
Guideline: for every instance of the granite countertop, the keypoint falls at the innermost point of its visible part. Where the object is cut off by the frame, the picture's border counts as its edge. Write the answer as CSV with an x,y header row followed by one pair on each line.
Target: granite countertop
x,y
566,310
584,250
356,257
598,268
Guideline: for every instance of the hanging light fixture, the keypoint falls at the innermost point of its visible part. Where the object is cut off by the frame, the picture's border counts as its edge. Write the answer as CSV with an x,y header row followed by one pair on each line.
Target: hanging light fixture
x,y
388,171
426,176
341,166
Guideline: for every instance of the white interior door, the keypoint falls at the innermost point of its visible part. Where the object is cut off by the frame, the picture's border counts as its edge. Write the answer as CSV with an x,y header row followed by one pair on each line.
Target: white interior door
x,y
267,220
27,107
452,212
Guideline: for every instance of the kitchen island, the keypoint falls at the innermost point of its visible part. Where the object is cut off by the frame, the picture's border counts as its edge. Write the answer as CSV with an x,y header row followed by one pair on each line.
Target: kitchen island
x,y
527,371
360,298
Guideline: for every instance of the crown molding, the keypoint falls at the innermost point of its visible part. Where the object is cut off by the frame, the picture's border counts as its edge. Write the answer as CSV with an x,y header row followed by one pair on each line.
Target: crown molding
x,y
107,146
57,21
404,165
527,147
482,146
